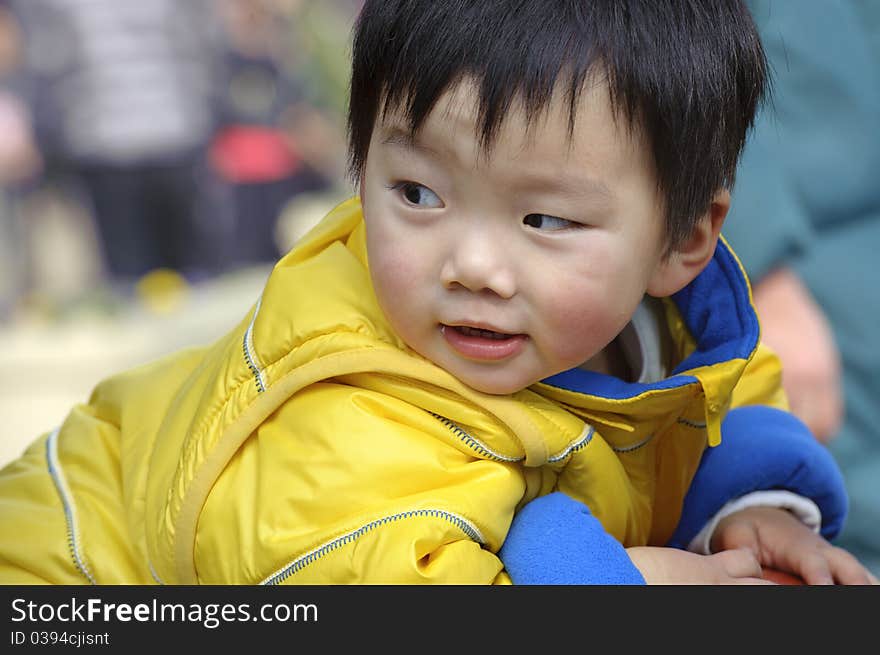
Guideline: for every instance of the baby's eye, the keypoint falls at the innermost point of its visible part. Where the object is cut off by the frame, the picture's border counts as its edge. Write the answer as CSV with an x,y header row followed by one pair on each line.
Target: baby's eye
x,y
419,195
545,222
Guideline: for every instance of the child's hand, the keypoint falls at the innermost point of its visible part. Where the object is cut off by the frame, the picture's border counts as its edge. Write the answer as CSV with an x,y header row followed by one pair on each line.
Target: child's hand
x,y
675,566
779,540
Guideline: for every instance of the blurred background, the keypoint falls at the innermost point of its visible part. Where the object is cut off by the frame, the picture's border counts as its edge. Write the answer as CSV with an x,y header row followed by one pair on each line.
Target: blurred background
x,y
156,157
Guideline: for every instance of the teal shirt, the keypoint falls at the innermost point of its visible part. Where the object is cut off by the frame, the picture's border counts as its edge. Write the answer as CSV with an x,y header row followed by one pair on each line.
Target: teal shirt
x,y
807,196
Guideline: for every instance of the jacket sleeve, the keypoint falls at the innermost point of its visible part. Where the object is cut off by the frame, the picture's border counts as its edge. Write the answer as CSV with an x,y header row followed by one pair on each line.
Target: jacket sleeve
x,y
63,517
413,547
343,485
763,448
33,532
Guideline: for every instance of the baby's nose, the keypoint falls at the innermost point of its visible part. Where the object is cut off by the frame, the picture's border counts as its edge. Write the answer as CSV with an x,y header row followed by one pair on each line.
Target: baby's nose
x,y
480,263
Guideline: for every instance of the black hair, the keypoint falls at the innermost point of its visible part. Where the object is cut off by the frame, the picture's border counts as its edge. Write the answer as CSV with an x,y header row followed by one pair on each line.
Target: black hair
x,y
690,74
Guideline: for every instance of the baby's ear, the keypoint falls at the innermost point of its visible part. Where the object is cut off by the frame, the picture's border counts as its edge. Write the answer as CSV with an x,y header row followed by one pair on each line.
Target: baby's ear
x,y
690,258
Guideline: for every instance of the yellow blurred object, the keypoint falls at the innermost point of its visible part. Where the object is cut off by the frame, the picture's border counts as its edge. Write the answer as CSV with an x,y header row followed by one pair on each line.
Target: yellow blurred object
x,y
163,290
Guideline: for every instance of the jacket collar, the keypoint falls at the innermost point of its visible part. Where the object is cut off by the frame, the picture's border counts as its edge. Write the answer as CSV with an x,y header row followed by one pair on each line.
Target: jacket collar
x,y
716,328
716,309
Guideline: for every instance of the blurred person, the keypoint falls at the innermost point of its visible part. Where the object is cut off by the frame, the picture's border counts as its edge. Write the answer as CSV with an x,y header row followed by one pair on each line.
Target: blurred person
x,y
805,219
320,32
262,151
20,161
122,96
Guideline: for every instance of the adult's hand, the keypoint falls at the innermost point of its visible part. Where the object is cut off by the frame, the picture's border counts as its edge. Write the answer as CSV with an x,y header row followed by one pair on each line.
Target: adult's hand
x,y
794,326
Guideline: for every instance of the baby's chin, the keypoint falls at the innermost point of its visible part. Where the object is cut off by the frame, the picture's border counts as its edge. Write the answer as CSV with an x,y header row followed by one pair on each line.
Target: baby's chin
x,y
494,389
499,378
495,381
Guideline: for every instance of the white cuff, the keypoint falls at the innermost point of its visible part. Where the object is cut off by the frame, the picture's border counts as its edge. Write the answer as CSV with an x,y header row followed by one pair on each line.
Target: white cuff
x,y
802,507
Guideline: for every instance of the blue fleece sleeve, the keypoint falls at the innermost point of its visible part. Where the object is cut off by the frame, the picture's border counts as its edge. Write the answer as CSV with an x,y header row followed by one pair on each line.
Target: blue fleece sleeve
x,y
554,540
763,448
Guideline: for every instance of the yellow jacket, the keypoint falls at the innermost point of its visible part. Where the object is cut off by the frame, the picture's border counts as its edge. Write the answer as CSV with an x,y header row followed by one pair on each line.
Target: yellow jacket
x,y
311,445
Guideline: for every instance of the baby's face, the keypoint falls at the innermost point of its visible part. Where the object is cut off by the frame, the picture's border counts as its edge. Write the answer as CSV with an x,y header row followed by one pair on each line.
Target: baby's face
x,y
508,268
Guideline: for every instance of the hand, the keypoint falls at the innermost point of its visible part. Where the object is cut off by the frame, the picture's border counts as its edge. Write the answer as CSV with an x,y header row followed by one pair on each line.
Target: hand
x,y
794,326
779,540
674,566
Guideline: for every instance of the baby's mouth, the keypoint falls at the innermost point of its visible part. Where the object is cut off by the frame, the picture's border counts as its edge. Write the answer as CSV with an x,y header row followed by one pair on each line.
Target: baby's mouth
x,y
482,344
479,332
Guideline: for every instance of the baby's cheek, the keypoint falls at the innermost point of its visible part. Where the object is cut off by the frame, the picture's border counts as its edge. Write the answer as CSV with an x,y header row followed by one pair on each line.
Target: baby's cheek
x,y
397,285
578,344
580,325
395,277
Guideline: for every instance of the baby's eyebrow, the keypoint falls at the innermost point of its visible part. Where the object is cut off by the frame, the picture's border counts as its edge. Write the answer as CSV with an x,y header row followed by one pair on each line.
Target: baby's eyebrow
x,y
397,136
574,185
571,185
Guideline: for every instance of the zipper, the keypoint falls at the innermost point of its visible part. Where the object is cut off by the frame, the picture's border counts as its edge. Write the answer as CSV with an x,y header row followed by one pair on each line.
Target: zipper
x,y
73,543
473,443
632,447
681,420
582,440
250,353
315,554
585,438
